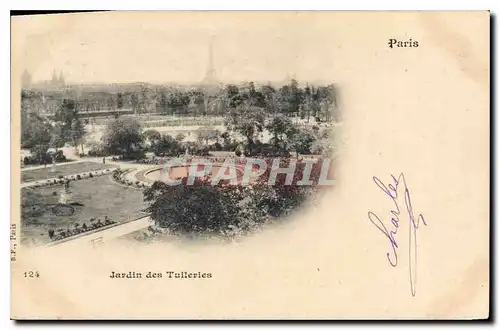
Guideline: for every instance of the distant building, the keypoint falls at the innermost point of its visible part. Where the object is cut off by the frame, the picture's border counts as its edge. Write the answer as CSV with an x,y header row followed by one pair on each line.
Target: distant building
x,y
55,82
61,81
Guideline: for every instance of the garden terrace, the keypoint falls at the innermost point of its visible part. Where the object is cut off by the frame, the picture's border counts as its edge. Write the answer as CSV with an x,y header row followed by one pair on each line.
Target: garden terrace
x,y
92,198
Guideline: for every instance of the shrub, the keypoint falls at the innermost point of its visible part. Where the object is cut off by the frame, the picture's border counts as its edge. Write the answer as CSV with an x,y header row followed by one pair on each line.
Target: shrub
x,y
90,175
217,146
59,156
54,193
78,177
237,153
60,176
55,181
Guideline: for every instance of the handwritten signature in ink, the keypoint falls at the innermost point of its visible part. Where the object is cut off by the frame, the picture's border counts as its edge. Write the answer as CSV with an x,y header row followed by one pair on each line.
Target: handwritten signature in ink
x,y
391,190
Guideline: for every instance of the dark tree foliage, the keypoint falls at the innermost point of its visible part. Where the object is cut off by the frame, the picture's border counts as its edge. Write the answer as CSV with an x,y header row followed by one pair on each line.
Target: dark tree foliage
x,y
198,208
288,196
123,137
310,101
226,209
167,145
119,101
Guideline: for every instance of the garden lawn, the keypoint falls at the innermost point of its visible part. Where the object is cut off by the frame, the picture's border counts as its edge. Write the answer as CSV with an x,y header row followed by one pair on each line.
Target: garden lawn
x,y
100,197
66,169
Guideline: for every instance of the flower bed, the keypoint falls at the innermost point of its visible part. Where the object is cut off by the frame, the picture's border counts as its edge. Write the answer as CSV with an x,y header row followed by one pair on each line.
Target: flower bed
x,y
74,177
120,177
78,228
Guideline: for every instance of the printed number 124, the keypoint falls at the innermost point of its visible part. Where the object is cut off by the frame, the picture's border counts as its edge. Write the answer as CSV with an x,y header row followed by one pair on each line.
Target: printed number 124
x,y
31,274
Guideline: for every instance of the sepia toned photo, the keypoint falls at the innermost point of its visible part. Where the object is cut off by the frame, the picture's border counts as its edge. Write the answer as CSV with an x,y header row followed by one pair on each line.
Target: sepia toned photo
x,y
251,165
198,159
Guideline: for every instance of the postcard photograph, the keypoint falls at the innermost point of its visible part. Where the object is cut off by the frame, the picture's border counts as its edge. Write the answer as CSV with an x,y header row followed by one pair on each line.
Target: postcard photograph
x,y
250,165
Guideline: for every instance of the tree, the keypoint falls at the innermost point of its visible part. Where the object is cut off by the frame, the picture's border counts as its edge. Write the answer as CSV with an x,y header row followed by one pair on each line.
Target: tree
x,y
248,121
302,141
283,131
77,134
35,130
119,101
64,116
324,142
279,126
270,99
134,102
180,137
143,99
290,98
217,104
39,152
163,100
151,137
253,97
198,208
204,134
166,145
67,127
197,102
282,198
111,103
233,96
123,137
326,98
57,136
178,102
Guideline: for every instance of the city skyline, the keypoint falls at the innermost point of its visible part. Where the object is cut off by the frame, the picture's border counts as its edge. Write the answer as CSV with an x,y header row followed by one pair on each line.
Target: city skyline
x,y
209,73
176,51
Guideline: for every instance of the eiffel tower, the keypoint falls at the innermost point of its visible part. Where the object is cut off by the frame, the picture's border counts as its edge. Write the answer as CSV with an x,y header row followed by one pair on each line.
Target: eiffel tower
x,y
211,75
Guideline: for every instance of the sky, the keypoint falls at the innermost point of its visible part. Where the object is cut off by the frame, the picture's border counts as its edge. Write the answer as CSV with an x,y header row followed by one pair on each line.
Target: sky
x,y
161,47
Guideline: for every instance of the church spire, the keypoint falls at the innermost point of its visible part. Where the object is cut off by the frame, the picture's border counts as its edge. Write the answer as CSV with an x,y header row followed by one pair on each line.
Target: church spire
x,y
61,79
54,77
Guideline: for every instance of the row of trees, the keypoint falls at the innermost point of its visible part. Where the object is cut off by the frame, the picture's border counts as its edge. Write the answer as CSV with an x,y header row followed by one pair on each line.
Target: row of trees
x,y
248,112
316,102
250,122
244,127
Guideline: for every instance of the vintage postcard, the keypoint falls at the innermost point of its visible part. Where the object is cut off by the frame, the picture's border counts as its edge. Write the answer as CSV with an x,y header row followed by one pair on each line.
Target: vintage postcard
x,y
251,165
